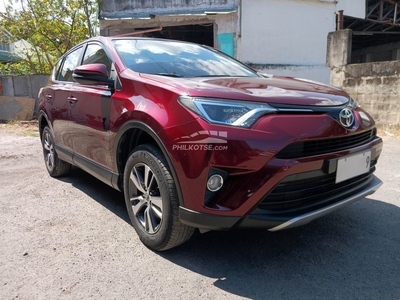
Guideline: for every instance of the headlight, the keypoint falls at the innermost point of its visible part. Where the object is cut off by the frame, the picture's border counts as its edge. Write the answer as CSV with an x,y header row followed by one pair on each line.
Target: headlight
x,y
226,112
353,104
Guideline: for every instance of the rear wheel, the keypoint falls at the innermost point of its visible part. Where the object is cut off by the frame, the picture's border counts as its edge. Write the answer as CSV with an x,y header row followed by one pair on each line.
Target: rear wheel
x,y
152,200
55,166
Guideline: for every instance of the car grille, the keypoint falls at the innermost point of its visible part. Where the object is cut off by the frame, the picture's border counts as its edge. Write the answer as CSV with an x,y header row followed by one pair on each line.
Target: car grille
x,y
317,147
302,191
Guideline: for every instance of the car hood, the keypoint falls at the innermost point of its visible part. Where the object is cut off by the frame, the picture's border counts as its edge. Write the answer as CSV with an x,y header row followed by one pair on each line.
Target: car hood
x,y
275,89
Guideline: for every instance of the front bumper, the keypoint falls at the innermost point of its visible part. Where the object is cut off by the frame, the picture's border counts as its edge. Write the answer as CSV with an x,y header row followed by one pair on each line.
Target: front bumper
x,y
272,223
281,173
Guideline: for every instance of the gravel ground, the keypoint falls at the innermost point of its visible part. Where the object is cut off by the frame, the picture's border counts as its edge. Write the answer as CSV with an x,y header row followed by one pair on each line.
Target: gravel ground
x,y
70,238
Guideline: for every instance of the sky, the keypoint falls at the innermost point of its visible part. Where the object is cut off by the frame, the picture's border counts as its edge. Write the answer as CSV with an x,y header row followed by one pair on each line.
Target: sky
x,y
3,4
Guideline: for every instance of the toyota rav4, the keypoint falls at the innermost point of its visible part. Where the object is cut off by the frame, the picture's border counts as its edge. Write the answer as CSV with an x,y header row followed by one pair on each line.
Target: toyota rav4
x,y
196,139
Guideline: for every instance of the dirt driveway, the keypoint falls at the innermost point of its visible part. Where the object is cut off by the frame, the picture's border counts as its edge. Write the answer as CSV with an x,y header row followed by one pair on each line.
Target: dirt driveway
x,y
70,238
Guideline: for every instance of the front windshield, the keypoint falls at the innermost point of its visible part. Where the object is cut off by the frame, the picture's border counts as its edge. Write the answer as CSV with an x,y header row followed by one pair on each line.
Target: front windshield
x,y
178,59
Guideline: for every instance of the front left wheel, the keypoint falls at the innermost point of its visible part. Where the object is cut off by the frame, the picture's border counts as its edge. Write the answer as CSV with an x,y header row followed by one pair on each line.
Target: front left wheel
x,y
152,201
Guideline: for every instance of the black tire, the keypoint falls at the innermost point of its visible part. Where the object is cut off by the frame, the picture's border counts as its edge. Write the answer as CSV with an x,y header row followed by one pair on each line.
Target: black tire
x,y
152,201
55,166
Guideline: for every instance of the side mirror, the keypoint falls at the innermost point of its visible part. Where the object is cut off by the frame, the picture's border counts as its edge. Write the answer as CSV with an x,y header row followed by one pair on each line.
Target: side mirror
x,y
92,74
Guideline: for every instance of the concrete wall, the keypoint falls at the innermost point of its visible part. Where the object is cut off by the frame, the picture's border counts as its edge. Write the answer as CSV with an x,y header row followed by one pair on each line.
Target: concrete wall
x,y
287,36
318,73
223,23
143,9
283,37
19,96
375,86
16,108
338,53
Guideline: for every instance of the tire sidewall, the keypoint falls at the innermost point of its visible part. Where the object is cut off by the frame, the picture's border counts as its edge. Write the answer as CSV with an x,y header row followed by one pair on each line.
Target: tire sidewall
x,y
47,130
143,154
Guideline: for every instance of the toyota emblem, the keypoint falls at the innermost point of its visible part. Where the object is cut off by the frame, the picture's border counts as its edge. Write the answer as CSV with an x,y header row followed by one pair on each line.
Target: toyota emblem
x,y
346,117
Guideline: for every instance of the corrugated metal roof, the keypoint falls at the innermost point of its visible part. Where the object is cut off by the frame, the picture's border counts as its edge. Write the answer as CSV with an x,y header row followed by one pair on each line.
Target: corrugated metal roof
x,y
8,57
381,24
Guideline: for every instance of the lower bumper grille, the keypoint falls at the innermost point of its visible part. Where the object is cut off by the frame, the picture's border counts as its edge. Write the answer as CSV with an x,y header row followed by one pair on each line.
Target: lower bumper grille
x,y
317,147
310,191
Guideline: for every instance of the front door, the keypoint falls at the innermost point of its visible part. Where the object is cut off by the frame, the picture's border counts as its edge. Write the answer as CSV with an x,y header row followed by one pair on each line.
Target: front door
x,y
90,113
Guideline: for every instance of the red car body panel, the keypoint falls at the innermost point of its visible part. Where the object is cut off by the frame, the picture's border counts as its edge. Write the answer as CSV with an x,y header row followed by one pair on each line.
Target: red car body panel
x,y
283,90
252,156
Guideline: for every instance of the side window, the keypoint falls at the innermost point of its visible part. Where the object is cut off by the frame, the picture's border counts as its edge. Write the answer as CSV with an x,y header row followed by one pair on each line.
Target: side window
x,y
56,69
95,54
69,64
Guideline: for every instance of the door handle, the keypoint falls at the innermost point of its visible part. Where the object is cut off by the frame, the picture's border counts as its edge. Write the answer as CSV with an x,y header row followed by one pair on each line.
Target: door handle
x,y
72,100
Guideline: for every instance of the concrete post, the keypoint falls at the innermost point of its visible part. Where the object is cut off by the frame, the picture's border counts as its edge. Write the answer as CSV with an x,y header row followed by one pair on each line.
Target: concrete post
x,y
8,86
339,48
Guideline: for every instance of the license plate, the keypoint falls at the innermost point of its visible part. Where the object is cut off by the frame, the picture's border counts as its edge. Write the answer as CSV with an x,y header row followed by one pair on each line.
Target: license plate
x,y
353,165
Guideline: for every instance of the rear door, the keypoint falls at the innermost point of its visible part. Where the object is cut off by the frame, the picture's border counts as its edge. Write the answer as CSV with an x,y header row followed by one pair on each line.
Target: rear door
x,y
59,95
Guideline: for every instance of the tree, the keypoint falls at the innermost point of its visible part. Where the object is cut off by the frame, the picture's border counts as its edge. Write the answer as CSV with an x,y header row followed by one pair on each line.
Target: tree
x,y
51,27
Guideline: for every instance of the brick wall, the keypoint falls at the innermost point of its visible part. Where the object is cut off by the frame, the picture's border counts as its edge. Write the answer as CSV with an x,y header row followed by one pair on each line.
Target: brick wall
x,y
375,86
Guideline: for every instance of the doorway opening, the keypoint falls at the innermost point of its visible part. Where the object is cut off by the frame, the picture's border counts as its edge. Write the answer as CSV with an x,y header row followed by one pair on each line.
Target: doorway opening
x,y
196,33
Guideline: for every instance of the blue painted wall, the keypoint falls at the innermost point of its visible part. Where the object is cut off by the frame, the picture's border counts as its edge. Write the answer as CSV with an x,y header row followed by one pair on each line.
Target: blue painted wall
x,y
226,43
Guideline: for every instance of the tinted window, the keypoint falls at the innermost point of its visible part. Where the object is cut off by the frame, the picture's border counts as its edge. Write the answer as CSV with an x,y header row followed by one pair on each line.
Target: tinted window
x,y
178,59
95,54
56,69
69,64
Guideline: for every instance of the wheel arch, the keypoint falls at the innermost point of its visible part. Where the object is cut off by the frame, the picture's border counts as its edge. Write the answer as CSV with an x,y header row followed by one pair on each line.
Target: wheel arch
x,y
43,121
133,134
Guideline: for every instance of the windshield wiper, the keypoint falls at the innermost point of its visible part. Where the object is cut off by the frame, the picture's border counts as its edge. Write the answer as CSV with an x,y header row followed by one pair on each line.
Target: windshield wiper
x,y
215,76
167,74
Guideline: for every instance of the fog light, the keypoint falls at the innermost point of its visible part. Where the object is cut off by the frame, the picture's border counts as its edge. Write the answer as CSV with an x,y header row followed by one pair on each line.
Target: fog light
x,y
215,182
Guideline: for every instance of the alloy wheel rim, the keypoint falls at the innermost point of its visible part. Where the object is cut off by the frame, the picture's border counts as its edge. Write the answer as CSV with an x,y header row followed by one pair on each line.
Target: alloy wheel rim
x,y
146,200
49,151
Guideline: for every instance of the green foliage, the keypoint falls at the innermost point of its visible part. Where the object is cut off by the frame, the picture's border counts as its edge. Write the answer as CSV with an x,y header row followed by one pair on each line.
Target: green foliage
x,y
19,68
51,27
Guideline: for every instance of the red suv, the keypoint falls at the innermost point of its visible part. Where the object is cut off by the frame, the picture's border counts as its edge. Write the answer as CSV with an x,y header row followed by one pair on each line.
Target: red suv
x,y
195,139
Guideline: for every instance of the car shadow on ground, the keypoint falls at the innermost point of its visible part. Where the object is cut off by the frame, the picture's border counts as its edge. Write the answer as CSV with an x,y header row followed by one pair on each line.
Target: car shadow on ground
x,y
353,253
105,195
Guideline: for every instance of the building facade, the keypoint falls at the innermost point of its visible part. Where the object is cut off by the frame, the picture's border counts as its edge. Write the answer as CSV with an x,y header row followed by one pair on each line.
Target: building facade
x,y
282,37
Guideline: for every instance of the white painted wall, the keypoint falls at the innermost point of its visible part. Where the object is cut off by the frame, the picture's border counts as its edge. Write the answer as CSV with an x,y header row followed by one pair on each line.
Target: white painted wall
x,y
286,31
290,34
317,73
